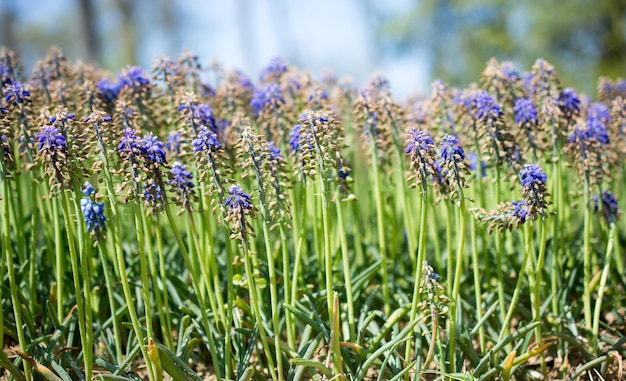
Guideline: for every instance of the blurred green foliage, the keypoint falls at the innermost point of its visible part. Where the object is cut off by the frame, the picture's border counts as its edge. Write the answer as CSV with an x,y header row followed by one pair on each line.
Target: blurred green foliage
x,y
584,38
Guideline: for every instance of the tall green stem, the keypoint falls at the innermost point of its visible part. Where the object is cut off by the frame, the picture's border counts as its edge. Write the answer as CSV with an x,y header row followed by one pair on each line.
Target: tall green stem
x,y
605,275
456,307
587,258
380,219
421,255
13,287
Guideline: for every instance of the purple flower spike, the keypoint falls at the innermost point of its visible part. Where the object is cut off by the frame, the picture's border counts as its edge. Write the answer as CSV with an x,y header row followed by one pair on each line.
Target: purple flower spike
x,y
238,199
206,141
153,149
525,111
50,139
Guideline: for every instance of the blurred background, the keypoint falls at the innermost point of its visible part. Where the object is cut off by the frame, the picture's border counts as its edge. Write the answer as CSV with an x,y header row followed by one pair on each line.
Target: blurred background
x,y
411,41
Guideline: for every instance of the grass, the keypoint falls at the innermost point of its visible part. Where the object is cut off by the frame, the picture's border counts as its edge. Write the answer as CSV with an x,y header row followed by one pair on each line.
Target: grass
x,y
363,243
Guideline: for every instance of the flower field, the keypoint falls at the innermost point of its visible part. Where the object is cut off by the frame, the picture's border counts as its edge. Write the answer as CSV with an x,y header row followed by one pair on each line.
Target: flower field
x,y
191,222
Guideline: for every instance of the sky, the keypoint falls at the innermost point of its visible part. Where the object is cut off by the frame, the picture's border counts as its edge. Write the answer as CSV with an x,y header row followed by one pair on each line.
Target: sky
x,y
317,35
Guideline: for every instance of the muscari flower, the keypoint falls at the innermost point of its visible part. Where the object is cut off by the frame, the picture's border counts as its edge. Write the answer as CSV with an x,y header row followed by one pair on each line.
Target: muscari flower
x,y
173,143
93,211
203,115
153,149
525,111
130,143
454,164
206,141
239,205
294,138
271,94
16,92
421,148
534,189
49,139
238,199
134,78
274,152
109,91
597,118
569,103
486,106
609,208
274,69
181,183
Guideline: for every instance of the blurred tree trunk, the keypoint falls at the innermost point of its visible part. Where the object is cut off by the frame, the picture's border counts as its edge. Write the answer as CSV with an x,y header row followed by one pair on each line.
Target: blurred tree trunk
x,y
613,54
90,37
169,19
245,21
7,17
129,38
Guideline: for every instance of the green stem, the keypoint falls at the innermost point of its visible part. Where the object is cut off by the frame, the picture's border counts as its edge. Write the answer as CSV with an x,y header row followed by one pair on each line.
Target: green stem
x,y
253,293
196,285
60,261
518,286
154,275
587,258
456,305
345,256
380,219
499,254
111,296
76,276
605,275
13,287
421,255
536,300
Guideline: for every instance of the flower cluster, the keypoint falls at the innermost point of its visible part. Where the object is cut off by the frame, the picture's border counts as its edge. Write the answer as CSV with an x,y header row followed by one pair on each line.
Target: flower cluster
x,y
606,206
239,207
421,150
93,211
453,165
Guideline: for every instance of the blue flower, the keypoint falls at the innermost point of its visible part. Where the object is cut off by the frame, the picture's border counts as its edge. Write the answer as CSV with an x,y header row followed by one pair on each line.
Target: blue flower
x,y
271,94
93,211
532,175
181,178
238,199
597,119
109,91
520,211
181,183
525,111
473,164
88,189
50,139
610,208
418,140
294,138
130,143
153,149
274,152
153,194
486,106
508,70
274,69
206,141
203,115
15,91
569,103
451,151
134,77
173,143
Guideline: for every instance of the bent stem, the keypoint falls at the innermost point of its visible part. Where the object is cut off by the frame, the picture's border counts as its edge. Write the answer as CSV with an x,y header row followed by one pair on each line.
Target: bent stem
x,y
603,280
457,281
421,248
